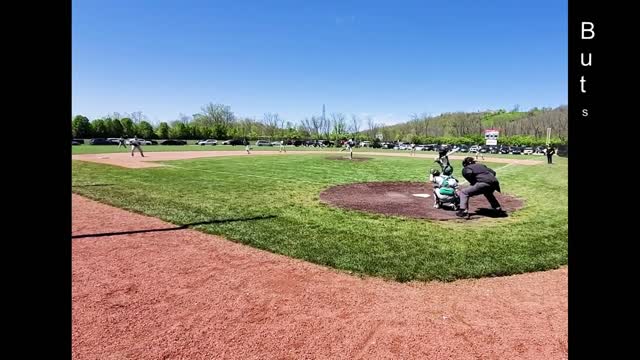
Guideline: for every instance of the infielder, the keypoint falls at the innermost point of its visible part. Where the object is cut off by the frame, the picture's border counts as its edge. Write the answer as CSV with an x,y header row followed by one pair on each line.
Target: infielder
x,y
135,145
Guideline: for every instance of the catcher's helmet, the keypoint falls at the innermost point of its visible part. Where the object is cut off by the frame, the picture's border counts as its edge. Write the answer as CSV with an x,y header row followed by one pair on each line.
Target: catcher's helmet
x,y
448,170
434,172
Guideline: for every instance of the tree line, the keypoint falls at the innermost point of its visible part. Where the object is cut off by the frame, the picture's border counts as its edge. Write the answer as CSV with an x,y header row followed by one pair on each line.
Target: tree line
x,y
218,121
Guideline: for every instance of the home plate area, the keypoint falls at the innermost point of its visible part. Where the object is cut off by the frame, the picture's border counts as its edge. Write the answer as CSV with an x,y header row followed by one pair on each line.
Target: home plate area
x,y
407,199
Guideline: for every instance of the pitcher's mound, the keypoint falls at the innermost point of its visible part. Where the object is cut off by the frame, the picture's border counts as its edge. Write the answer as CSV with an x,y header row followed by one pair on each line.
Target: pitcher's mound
x,y
399,199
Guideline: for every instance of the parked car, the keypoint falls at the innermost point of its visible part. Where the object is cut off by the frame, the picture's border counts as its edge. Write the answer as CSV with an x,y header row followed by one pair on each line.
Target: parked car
x,y
140,141
263,143
474,148
505,150
153,142
484,149
173,142
73,142
494,150
100,141
365,144
207,142
233,142
527,151
79,141
463,148
515,150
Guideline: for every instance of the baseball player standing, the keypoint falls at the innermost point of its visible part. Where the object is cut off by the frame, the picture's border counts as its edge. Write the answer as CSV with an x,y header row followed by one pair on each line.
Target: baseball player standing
x,y
135,145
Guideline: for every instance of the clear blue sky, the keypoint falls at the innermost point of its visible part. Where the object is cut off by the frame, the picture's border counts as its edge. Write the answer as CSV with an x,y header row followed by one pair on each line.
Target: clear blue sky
x,y
385,59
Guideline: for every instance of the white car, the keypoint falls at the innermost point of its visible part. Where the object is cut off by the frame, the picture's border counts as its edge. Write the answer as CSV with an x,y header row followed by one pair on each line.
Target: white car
x,y
140,141
208,142
474,148
527,151
365,144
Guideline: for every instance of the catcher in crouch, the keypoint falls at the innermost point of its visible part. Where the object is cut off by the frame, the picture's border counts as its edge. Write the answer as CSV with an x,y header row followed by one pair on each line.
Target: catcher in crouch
x,y
444,190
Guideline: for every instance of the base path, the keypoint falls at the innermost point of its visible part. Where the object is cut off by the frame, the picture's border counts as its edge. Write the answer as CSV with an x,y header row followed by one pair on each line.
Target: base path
x,y
151,159
145,290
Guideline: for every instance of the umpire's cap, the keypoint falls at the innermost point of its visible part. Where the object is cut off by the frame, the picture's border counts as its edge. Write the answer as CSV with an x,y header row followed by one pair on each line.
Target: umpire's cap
x,y
468,160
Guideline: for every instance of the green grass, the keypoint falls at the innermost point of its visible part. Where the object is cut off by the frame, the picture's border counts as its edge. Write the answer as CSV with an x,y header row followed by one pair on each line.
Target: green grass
x,y
501,118
105,149
102,149
287,188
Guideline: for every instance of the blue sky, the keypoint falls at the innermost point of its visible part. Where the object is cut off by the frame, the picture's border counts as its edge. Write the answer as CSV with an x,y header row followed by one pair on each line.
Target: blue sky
x,y
385,59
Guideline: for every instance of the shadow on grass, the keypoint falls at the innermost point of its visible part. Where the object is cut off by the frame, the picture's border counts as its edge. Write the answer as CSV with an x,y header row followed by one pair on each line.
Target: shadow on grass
x,y
88,185
181,227
489,213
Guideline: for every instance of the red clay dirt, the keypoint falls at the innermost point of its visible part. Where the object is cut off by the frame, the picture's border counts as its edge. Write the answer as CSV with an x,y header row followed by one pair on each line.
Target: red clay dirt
x,y
124,159
187,295
397,199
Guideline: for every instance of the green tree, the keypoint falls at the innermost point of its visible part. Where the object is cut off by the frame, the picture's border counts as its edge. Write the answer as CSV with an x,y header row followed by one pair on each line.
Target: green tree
x,y
145,130
81,127
116,128
163,131
99,128
108,125
178,130
128,127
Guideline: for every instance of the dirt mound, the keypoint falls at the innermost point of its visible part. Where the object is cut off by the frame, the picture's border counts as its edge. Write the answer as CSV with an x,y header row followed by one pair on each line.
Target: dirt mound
x,y
407,199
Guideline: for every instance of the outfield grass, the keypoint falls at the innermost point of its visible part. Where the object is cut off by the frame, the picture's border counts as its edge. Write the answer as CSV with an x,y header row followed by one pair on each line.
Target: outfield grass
x,y
287,189
104,149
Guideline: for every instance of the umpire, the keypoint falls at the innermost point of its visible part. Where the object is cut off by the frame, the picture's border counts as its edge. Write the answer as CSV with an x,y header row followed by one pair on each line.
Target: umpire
x,y
550,150
483,182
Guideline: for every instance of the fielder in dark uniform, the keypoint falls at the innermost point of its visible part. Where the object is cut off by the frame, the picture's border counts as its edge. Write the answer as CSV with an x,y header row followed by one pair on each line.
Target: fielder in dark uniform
x,y
483,182
550,150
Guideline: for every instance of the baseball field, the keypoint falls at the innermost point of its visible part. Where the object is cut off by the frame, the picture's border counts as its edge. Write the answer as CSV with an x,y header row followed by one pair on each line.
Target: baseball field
x,y
222,254
273,202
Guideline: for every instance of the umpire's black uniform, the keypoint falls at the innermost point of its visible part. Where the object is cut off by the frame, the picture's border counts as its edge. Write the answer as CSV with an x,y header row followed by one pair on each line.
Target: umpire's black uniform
x,y
483,181
550,152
